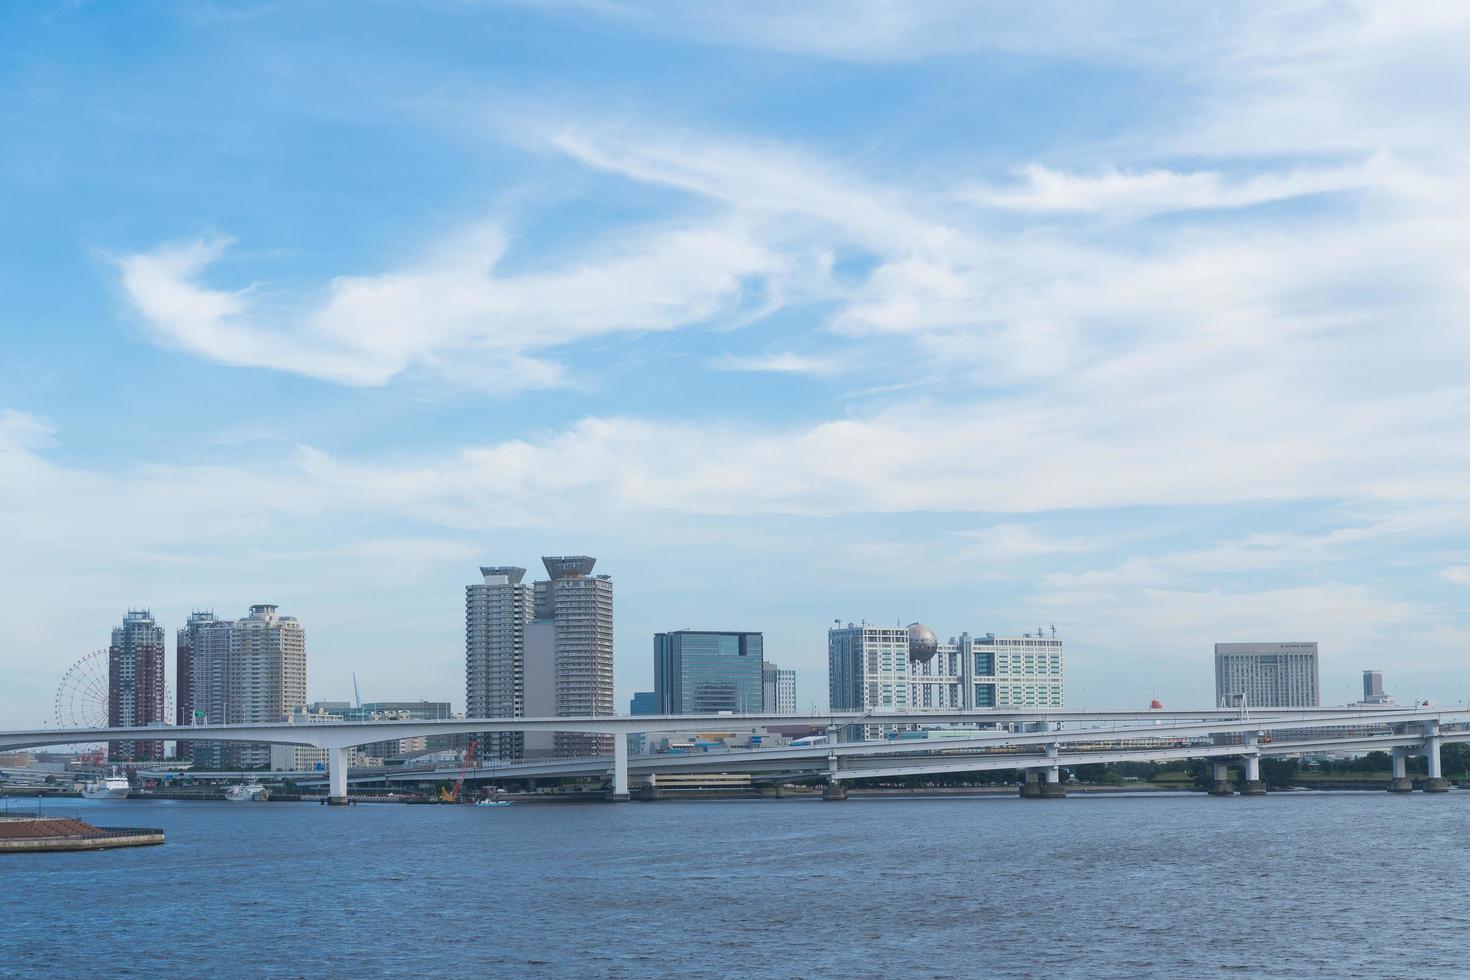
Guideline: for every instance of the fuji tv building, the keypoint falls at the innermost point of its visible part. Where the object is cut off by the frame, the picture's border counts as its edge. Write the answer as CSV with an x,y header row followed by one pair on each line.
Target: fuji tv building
x,y
882,668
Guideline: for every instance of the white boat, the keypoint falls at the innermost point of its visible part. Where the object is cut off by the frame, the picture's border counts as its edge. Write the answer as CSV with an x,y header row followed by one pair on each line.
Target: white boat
x,y
247,793
110,787
492,803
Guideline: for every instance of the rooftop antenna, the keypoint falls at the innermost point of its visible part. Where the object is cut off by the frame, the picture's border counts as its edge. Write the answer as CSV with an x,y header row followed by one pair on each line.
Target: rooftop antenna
x,y
355,695
1053,629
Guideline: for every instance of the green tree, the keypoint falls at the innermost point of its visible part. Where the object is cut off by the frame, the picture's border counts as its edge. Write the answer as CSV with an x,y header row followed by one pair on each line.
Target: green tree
x,y
1377,761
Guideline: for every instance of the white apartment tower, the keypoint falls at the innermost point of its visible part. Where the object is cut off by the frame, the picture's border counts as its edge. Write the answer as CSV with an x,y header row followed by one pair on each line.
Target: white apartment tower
x,y
497,613
246,671
778,687
537,651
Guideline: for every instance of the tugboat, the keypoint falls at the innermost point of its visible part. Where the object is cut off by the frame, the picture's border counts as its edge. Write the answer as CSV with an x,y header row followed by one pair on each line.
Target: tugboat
x,y
113,786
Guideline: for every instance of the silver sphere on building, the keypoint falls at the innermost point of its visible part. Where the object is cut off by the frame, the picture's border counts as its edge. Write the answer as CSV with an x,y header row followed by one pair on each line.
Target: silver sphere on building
x,y
923,644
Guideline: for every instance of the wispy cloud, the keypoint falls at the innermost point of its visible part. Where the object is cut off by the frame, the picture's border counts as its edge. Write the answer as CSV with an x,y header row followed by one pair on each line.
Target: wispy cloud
x,y
450,313
1145,192
781,362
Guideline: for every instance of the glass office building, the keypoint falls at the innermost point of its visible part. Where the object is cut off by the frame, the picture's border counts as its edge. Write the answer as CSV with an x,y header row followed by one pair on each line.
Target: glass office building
x,y
699,672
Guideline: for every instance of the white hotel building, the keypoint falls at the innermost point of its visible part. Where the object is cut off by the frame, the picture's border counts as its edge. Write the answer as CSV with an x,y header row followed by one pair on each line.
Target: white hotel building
x,y
889,669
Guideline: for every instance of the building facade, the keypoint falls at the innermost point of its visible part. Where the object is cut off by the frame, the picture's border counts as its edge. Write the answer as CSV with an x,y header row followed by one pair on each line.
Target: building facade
x,y
498,612
1373,692
244,671
1267,675
578,606
136,684
184,677
778,688
391,711
544,650
643,703
704,672
899,669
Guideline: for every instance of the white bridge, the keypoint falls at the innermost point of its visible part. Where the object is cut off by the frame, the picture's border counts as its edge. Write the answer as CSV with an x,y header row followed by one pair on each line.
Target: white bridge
x,y
1038,742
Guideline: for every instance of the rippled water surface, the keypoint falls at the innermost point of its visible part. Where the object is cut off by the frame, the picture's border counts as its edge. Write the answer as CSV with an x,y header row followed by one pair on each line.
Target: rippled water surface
x,y
1294,885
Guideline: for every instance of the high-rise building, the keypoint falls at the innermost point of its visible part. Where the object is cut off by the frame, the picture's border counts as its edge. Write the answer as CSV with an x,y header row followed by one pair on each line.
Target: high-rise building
x,y
1266,675
540,651
184,677
1373,692
245,671
643,703
778,690
704,672
135,684
901,669
498,612
579,607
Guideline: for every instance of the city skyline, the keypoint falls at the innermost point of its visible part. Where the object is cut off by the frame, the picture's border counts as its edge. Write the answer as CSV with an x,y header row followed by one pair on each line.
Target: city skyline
x,y
1142,322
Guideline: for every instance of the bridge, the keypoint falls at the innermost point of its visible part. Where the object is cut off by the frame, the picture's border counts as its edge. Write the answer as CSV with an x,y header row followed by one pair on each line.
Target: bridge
x,y
1038,742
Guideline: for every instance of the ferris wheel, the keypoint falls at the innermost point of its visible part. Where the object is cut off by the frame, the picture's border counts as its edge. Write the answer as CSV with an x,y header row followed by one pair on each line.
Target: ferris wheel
x,y
81,697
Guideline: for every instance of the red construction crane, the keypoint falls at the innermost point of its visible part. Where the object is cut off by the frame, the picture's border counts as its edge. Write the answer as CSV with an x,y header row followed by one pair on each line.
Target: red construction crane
x,y
452,796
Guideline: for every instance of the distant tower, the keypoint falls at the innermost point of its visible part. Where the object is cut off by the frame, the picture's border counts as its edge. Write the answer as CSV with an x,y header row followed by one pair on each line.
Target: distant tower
x,y
184,677
1372,684
574,611
540,651
497,613
135,684
778,687
245,671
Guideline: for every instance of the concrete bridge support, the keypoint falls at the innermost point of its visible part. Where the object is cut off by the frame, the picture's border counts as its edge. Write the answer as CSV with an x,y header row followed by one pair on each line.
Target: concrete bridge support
x,y
1031,788
649,792
1053,789
1400,783
619,792
337,777
834,790
1221,784
1436,783
1253,784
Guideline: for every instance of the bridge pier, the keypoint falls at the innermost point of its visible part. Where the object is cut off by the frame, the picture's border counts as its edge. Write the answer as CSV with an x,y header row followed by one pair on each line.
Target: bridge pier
x,y
1253,785
1400,782
1052,788
619,792
1221,785
1031,788
1436,783
834,790
337,777
649,792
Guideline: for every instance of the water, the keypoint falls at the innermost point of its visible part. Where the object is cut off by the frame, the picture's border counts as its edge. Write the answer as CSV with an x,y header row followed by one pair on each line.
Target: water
x,y
1294,885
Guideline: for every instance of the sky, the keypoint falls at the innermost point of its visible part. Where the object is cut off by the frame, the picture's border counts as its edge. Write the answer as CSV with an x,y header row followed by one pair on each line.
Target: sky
x,y
1143,320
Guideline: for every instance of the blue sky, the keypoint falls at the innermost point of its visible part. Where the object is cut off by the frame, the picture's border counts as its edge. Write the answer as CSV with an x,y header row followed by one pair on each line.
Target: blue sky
x,y
1143,320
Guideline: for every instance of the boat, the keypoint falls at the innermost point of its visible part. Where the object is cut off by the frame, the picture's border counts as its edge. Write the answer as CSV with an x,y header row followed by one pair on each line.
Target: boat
x,y
492,803
113,786
247,793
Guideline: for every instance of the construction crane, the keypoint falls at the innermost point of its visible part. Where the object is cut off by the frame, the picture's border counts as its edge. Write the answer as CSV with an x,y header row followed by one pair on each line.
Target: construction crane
x,y
452,795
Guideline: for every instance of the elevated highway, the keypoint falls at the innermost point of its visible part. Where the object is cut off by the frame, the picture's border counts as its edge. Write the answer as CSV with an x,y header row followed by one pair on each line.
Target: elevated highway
x,y
1046,741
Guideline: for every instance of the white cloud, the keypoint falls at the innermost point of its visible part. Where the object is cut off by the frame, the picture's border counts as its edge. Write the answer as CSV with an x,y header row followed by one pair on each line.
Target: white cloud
x,y
1144,192
1459,574
1006,542
451,313
22,431
780,362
